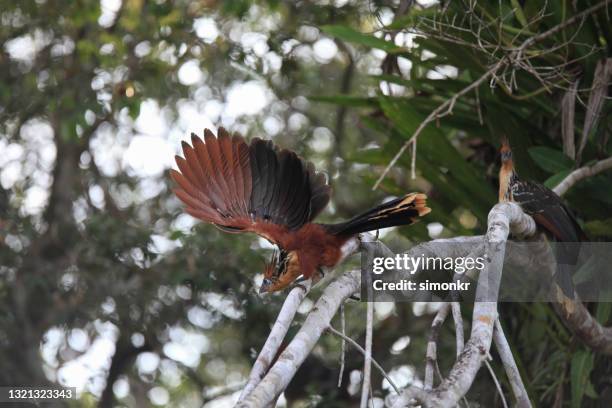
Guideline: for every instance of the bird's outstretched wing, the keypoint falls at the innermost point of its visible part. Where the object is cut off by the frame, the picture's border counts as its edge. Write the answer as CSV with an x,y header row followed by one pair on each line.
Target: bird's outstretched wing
x,y
548,211
248,188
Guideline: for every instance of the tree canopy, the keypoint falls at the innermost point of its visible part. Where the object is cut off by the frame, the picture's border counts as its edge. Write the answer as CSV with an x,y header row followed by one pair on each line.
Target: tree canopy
x,y
107,286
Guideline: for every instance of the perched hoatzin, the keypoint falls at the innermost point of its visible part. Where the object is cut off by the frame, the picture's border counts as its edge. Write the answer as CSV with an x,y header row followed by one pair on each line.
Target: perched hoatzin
x,y
272,192
548,211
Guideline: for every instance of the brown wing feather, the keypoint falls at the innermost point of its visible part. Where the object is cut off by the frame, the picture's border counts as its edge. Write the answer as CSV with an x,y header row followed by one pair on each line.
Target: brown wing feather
x,y
549,226
256,188
213,190
227,163
216,166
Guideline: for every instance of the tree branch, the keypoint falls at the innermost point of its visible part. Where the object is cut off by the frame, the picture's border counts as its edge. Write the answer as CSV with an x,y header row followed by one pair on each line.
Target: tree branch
x,y
279,375
514,377
276,336
582,173
431,355
502,218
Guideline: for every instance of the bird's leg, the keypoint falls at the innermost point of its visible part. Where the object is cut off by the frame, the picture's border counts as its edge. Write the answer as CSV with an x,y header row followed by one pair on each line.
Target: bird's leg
x,y
355,298
316,277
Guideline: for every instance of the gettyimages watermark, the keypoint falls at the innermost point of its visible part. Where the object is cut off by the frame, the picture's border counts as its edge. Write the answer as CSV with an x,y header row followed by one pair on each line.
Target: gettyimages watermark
x,y
462,271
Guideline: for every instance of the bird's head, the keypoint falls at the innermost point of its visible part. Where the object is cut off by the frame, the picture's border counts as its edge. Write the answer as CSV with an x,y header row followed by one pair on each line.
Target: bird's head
x,y
282,270
505,151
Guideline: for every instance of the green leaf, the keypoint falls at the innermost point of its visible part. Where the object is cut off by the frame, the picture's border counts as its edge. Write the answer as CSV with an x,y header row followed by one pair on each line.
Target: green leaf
x,y
603,311
599,228
590,391
345,100
518,13
439,160
553,181
348,34
581,367
551,160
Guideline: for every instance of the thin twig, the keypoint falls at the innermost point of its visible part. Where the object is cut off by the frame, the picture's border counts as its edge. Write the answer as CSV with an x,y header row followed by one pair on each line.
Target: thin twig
x,y
343,350
497,384
431,355
442,110
458,320
512,372
367,364
362,351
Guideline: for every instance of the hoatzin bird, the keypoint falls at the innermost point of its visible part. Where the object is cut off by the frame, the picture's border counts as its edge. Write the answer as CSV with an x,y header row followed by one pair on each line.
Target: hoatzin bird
x,y
272,192
548,211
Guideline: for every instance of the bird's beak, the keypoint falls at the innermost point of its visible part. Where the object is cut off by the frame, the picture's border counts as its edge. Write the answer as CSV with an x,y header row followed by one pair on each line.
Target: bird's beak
x,y
265,286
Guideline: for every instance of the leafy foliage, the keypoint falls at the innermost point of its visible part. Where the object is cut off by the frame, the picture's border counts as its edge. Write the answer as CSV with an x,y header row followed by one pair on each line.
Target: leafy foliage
x,y
93,247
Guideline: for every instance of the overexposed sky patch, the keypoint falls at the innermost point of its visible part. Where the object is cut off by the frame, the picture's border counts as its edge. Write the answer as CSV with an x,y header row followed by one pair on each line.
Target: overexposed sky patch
x,y
148,155
247,98
324,50
206,29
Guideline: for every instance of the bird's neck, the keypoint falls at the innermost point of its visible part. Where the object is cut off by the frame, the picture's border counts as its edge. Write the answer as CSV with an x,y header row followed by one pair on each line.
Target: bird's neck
x,y
507,177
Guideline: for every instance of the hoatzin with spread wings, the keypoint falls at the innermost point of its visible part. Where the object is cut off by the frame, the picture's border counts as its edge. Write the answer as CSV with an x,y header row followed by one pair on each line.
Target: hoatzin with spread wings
x,y
549,212
272,192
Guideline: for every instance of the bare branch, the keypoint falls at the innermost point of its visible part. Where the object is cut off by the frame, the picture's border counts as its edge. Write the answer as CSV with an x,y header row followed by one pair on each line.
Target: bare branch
x,y
512,372
343,350
458,320
502,218
582,173
367,363
279,375
431,354
276,336
497,384
568,105
582,323
599,90
282,324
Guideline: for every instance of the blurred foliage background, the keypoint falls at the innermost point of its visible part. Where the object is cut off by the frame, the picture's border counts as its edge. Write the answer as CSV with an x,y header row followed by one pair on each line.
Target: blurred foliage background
x,y
107,286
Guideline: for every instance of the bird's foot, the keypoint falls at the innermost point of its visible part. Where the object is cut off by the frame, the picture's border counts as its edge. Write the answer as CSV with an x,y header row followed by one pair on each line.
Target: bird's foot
x,y
316,278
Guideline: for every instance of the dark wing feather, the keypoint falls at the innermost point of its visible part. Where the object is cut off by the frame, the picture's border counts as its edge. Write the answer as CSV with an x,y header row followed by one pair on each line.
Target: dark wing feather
x,y
255,187
286,189
320,191
548,211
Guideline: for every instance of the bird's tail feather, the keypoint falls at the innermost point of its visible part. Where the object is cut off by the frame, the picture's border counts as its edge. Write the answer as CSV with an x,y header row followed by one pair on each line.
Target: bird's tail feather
x,y
401,211
563,279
